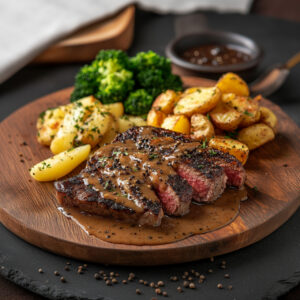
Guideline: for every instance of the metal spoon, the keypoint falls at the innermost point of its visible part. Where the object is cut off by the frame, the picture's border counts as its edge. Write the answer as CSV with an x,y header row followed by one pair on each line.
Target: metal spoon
x,y
271,80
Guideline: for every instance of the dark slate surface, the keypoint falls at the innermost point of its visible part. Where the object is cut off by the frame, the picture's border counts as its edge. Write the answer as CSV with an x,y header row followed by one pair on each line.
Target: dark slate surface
x,y
261,271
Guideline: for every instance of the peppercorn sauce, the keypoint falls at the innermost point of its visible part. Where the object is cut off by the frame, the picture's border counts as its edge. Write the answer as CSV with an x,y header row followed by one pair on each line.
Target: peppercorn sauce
x,y
214,55
124,165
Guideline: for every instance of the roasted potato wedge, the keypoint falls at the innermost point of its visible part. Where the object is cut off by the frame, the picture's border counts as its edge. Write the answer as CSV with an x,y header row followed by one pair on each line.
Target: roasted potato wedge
x,y
165,102
155,117
225,117
256,135
200,101
201,127
125,122
232,83
268,117
231,146
61,164
248,107
178,123
49,122
116,109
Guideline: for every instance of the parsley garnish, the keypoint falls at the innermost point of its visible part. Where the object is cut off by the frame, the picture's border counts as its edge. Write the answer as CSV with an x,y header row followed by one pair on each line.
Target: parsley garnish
x,y
247,113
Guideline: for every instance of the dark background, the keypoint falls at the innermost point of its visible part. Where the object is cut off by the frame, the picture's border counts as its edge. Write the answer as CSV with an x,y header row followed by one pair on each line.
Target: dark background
x,y
276,257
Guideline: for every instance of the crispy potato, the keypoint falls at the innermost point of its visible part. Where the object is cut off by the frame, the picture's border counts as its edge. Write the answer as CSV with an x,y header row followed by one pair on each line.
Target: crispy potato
x,y
225,117
48,124
72,128
155,117
165,102
116,109
256,135
201,101
201,127
268,117
111,133
233,147
248,107
178,123
60,165
232,83
126,122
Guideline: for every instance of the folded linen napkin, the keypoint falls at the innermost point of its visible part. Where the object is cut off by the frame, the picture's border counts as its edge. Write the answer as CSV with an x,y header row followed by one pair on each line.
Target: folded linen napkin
x,y
29,27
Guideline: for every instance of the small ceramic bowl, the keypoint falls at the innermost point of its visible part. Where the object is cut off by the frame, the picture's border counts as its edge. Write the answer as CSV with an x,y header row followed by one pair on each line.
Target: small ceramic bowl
x,y
205,37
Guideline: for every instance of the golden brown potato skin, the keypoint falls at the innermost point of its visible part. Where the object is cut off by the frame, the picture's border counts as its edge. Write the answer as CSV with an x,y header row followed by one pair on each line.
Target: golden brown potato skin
x,y
256,135
268,117
249,108
201,127
178,123
165,102
232,83
198,101
225,117
231,146
155,117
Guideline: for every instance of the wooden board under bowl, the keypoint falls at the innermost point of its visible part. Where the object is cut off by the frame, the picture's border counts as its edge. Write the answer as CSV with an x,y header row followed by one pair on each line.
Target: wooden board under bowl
x,y
29,208
115,32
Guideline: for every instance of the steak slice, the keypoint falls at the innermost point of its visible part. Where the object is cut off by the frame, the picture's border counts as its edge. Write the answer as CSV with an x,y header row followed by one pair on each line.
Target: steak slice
x,y
74,192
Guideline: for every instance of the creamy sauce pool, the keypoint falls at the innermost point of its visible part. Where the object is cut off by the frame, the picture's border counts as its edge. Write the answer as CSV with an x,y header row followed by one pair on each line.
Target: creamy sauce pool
x,y
200,219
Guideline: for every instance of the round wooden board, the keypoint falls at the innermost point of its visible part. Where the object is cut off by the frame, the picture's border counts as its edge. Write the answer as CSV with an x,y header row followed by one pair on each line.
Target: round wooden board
x,y
29,208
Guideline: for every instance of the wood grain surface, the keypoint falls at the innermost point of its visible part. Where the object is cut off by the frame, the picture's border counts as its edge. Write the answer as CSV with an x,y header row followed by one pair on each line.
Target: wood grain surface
x,y
115,32
29,208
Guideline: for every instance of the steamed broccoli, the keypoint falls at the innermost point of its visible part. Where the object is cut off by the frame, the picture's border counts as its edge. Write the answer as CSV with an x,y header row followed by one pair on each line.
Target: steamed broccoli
x,y
106,78
153,73
138,103
113,77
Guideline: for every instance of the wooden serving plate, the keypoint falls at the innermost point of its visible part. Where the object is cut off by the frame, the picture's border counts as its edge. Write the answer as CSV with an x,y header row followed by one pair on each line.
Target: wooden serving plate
x,y
29,208
115,32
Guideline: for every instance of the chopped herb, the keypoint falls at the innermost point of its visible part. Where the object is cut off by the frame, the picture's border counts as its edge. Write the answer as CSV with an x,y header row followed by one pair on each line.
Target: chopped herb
x,y
208,116
231,135
247,113
152,156
212,152
204,144
94,129
199,90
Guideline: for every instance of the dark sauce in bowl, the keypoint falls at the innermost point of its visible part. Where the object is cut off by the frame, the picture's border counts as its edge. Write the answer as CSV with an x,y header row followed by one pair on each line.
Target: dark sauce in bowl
x,y
214,55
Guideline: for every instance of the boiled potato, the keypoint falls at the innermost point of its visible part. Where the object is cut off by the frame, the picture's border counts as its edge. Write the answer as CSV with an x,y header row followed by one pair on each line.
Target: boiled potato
x,y
200,101
268,117
48,124
225,117
256,135
231,146
249,108
116,109
94,127
178,123
73,125
126,122
165,102
201,127
155,117
61,164
111,133
232,83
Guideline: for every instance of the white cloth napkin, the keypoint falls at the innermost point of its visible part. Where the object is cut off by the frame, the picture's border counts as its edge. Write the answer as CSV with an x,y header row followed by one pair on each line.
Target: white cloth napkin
x,y
30,26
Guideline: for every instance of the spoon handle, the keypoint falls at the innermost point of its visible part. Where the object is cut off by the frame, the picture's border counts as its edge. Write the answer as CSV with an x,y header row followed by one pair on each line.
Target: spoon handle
x,y
293,61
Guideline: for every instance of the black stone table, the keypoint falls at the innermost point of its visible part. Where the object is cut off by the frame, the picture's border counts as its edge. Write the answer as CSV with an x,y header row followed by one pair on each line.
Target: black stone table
x,y
265,270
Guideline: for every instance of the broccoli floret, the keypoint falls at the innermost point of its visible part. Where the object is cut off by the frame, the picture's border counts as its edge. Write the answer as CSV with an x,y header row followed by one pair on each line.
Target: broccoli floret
x,y
153,73
150,60
106,78
86,83
138,103
114,87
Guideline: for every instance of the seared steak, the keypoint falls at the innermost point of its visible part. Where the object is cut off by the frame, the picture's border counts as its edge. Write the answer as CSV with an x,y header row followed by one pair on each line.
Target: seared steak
x,y
148,172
